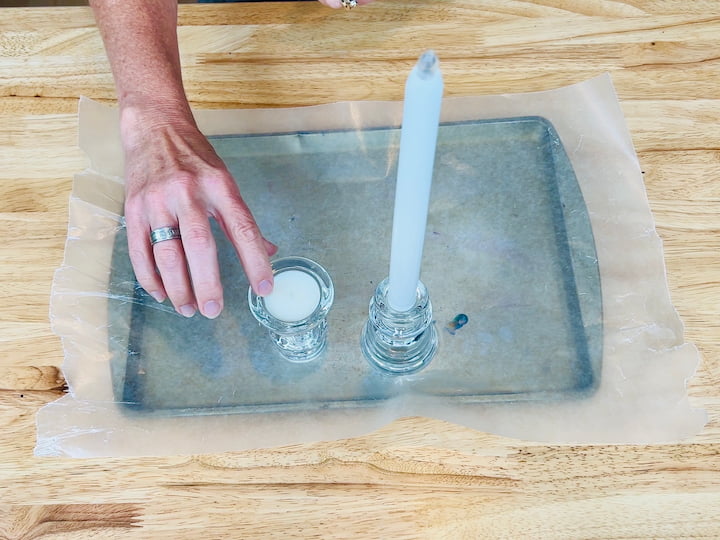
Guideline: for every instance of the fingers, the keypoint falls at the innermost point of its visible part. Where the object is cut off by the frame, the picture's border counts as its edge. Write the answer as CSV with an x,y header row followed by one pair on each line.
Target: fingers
x,y
185,270
182,186
253,250
336,4
201,255
172,266
141,255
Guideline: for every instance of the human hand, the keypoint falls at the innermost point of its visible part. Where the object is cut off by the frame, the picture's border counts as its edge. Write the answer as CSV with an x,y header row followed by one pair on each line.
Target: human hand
x,y
335,4
174,178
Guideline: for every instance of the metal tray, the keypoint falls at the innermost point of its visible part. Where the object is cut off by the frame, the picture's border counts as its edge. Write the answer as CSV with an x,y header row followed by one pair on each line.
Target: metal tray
x,y
509,244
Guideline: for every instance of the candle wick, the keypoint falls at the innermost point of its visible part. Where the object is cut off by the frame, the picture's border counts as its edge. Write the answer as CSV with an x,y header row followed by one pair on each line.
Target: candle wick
x,y
427,65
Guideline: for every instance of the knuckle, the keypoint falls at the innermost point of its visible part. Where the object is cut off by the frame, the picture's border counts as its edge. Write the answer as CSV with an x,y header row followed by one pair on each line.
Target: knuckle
x,y
245,230
152,197
133,200
169,258
184,183
138,258
219,178
155,194
198,236
134,210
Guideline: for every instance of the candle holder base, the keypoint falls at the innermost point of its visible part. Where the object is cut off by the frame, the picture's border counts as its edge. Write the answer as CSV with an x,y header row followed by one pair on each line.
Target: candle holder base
x,y
399,342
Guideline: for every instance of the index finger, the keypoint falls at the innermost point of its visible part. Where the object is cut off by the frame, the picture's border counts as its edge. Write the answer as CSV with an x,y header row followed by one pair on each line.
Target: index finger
x,y
237,221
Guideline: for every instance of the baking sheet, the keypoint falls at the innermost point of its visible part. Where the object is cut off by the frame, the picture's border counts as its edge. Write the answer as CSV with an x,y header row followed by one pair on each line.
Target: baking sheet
x,y
509,245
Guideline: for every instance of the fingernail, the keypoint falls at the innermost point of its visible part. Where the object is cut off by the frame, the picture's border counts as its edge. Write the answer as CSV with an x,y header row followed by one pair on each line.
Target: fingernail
x,y
211,309
187,310
264,288
334,3
158,296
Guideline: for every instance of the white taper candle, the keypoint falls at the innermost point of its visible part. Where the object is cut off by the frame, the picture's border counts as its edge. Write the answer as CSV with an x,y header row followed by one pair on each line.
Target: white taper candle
x,y
418,138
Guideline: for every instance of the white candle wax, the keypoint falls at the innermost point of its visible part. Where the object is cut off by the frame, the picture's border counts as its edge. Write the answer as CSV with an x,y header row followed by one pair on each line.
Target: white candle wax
x,y
418,138
295,296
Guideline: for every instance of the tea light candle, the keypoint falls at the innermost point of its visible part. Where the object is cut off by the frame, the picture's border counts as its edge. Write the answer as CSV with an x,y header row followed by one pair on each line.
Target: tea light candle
x,y
295,296
418,138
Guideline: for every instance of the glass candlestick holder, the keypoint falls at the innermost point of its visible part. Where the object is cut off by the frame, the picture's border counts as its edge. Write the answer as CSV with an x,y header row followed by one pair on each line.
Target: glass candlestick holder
x,y
295,313
399,342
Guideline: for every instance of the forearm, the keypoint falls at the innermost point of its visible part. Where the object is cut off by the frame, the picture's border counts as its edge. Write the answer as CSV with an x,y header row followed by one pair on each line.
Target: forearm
x,y
140,38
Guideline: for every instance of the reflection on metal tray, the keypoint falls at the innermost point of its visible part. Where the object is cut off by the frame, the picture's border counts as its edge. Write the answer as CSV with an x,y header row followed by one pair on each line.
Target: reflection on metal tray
x,y
509,245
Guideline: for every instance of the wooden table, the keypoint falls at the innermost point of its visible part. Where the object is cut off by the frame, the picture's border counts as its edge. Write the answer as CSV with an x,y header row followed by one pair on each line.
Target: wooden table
x,y
416,478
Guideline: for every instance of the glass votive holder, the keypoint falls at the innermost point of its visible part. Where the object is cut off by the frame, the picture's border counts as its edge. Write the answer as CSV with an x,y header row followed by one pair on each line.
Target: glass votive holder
x,y
295,313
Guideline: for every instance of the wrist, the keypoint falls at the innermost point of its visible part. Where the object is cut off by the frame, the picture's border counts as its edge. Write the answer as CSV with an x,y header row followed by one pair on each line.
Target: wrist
x,y
143,114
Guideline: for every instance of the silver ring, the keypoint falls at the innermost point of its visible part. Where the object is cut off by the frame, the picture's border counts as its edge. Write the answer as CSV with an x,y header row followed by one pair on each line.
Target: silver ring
x,y
164,233
348,4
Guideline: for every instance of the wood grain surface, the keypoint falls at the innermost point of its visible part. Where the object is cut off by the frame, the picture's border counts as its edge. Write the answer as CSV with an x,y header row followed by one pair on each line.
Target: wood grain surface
x,y
416,478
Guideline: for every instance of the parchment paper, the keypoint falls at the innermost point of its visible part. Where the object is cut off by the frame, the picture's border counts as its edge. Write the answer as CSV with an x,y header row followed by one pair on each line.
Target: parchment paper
x,y
646,363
